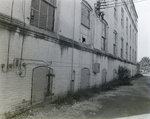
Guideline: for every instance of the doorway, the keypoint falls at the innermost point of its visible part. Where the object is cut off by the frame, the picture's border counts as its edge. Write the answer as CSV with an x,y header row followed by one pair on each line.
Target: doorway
x,y
85,77
42,80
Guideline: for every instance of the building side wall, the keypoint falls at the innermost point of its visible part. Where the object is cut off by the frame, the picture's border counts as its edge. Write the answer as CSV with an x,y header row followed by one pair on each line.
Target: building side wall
x,y
60,50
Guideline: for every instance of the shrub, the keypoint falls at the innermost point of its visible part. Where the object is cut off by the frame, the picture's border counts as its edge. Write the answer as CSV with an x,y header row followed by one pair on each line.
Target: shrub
x,y
123,73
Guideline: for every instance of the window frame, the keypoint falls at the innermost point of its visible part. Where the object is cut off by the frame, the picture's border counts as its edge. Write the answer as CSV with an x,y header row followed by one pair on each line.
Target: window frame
x,y
115,43
115,10
104,35
88,8
127,25
122,17
49,25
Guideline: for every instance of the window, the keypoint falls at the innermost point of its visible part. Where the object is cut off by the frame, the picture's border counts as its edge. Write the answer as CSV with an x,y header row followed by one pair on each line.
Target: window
x,y
85,16
126,51
121,47
104,32
115,43
130,31
42,14
122,17
115,10
127,25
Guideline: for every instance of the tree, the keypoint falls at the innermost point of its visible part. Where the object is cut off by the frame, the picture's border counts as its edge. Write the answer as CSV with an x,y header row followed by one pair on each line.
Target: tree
x,y
145,64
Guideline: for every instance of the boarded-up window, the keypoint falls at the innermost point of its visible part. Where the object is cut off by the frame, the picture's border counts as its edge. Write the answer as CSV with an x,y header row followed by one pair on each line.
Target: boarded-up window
x,y
85,16
42,14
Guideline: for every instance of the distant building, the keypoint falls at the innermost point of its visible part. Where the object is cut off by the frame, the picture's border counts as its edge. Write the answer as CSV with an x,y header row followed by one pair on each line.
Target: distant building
x,y
50,47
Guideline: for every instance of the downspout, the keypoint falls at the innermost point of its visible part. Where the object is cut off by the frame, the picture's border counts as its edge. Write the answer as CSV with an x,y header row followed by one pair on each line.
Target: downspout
x,y
73,41
93,37
23,12
7,67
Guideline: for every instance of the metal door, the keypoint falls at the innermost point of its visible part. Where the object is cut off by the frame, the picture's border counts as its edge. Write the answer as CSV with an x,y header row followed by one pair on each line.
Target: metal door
x,y
85,76
40,84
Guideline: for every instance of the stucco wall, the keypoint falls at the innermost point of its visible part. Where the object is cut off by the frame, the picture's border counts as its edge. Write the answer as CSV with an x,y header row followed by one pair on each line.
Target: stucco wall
x,y
56,51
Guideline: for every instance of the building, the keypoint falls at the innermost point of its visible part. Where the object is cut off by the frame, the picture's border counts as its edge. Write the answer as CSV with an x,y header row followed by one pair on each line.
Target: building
x,y
50,47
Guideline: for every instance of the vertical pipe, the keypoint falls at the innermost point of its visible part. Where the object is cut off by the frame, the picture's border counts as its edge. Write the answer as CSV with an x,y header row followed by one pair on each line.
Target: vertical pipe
x,y
23,12
73,41
9,37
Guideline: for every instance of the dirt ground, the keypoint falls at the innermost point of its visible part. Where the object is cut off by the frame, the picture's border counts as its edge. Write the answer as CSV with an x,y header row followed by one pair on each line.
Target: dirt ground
x,y
124,101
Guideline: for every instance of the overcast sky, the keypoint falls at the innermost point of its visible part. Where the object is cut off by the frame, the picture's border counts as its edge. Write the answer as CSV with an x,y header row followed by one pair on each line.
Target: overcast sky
x,y
143,10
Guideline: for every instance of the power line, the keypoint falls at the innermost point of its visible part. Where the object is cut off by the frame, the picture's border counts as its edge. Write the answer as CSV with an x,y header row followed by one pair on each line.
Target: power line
x,y
121,4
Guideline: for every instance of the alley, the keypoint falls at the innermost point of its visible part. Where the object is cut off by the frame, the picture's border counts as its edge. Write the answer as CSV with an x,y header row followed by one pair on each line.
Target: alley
x,y
124,101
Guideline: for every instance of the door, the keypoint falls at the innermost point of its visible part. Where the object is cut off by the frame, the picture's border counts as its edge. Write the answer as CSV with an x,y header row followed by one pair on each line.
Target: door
x,y
41,83
85,76
104,74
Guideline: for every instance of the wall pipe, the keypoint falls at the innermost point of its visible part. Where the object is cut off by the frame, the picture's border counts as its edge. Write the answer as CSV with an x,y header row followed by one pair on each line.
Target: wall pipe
x,y
8,50
73,41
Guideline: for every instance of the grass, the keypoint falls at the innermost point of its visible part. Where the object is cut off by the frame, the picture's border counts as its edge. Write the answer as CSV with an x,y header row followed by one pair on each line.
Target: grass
x,y
86,94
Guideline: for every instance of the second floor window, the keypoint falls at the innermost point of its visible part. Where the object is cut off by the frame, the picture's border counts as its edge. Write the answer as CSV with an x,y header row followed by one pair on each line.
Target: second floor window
x,y
115,10
104,36
115,43
85,16
127,26
122,17
42,14
130,31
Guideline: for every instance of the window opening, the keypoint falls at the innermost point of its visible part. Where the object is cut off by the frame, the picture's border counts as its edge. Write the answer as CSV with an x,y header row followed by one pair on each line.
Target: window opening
x,y
42,14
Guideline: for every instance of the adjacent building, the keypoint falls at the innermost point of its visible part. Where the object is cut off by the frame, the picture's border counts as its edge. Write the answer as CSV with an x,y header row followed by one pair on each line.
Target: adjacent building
x,y
51,47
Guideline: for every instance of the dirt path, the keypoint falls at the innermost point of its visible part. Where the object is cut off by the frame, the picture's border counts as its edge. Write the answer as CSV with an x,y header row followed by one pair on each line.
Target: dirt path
x,y
122,102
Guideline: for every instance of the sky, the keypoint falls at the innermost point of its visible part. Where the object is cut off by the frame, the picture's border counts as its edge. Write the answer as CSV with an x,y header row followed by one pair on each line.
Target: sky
x,y
143,11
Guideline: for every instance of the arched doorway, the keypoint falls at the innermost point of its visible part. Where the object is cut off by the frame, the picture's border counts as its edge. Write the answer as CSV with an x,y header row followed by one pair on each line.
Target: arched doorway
x,y
85,77
104,74
42,80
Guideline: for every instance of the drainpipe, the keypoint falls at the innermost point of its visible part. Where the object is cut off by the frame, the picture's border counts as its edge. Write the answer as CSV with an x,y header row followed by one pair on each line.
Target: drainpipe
x,y
8,51
73,41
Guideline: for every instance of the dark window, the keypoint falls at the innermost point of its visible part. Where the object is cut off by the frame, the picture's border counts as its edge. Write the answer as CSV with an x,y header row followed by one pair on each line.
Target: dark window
x,y
83,40
42,14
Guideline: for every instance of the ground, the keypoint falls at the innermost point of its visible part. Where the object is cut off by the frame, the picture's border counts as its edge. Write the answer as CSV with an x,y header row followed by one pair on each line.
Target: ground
x,y
124,101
